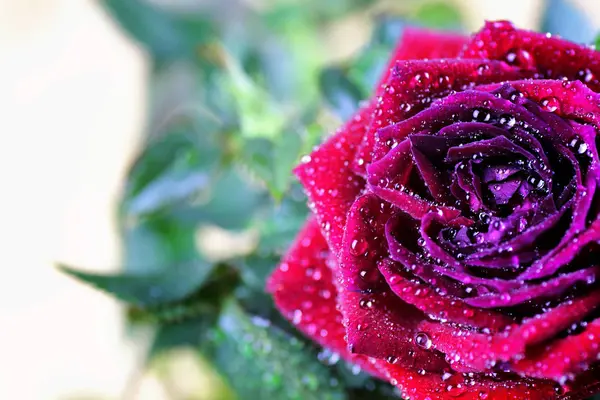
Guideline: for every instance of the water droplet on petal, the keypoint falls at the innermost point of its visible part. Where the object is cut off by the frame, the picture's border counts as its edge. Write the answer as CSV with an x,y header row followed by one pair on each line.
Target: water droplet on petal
x,y
422,340
366,303
519,57
392,359
585,75
358,247
482,68
550,104
421,79
507,121
481,115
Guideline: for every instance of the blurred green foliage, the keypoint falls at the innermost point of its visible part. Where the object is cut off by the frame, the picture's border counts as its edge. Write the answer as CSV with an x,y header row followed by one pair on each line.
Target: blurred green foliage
x,y
239,91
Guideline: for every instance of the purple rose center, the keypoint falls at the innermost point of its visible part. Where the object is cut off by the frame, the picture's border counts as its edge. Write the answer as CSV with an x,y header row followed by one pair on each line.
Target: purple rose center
x,y
494,187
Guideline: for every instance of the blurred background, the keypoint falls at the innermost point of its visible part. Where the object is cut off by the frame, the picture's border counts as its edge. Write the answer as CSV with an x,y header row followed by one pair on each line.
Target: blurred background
x,y
157,137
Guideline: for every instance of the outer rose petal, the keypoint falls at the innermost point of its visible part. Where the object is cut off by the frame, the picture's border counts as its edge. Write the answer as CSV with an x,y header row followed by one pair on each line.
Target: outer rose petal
x,y
413,85
417,386
441,307
550,57
328,179
415,44
480,351
305,294
333,193
562,359
421,44
303,288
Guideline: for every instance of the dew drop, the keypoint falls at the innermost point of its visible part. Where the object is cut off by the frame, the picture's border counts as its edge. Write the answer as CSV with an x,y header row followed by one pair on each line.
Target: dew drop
x,y
358,247
422,340
392,359
519,57
507,121
305,159
515,95
585,75
405,107
455,390
482,68
366,303
550,104
481,115
485,218
421,79
297,317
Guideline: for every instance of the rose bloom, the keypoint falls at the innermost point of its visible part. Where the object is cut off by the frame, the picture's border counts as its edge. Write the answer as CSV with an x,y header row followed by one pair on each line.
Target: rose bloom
x,y
454,247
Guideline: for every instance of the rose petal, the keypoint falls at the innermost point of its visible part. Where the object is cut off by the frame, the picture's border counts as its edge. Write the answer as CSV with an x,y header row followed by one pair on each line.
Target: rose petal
x,y
437,306
550,289
416,385
329,182
421,44
303,289
458,109
413,85
287,285
572,99
481,351
561,359
549,57
378,323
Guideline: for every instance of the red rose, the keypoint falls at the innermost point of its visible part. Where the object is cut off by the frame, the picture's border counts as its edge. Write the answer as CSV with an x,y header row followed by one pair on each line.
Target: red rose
x,y
454,248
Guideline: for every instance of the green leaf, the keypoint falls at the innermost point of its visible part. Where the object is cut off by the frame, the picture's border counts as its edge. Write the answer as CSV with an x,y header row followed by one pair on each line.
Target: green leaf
x,y
166,35
203,302
272,160
387,32
285,156
282,222
255,270
268,363
189,333
171,313
170,170
340,92
169,189
260,115
256,155
230,202
368,67
360,385
144,290
157,243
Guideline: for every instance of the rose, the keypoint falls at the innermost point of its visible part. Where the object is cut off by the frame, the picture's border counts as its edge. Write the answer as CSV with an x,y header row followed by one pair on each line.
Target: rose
x,y
454,245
